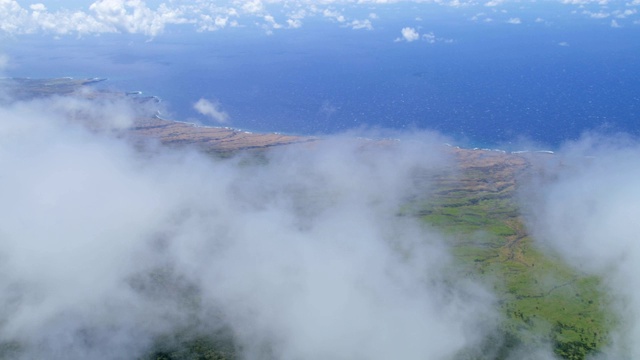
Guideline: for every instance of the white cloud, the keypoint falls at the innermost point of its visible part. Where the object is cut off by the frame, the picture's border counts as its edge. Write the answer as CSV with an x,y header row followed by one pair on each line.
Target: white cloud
x,y
586,208
614,24
361,24
409,34
458,3
626,13
212,110
220,21
514,21
477,16
14,17
137,17
493,3
539,20
215,19
563,43
334,14
133,16
294,23
598,15
429,37
298,14
271,22
106,247
208,23
585,2
38,7
252,6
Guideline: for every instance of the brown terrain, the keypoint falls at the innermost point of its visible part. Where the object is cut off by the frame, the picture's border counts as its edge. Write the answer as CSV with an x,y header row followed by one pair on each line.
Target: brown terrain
x,y
209,139
227,140
485,171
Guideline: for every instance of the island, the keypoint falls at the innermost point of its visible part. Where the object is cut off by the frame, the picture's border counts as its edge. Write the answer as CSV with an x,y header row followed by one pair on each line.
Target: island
x,y
543,300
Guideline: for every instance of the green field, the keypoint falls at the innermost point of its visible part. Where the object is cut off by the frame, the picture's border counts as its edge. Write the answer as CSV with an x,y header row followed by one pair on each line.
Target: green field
x,y
544,302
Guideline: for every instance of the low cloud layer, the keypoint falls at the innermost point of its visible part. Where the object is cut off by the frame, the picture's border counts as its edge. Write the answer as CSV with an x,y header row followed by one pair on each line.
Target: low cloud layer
x,y
585,206
301,254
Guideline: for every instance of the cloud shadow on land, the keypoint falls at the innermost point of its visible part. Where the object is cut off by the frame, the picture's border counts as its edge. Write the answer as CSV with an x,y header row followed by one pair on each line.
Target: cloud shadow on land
x,y
109,252
583,207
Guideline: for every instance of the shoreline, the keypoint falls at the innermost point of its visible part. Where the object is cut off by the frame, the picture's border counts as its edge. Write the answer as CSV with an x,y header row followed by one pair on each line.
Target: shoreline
x,y
68,81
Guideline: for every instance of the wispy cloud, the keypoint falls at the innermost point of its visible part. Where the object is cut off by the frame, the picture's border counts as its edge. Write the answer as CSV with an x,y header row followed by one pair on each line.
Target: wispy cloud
x,y
598,15
621,14
251,6
212,109
585,208
410,34
334,14
361,24
209,23
493,3
294,23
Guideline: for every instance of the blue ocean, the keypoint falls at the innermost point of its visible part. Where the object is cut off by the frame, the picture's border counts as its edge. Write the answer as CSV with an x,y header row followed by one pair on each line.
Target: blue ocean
x,y
497,85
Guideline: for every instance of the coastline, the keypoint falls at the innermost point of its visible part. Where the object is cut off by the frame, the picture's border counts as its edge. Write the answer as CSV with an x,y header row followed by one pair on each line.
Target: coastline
x,y
28,88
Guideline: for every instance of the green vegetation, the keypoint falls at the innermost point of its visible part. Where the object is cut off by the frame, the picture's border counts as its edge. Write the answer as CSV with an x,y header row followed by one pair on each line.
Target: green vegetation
x,y
26,88
9,349
545,303
193,348
196,340
543,300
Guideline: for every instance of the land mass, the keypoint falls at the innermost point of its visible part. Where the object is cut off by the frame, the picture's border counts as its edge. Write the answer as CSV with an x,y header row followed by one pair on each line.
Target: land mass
x,y
543,300
209,139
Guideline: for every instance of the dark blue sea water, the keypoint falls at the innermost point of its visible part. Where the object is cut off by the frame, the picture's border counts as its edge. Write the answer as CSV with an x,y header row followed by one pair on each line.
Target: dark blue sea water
x,y
493,85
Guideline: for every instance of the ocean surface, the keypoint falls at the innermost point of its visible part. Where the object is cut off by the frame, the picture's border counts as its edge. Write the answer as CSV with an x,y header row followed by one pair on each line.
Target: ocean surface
x,y
496,85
